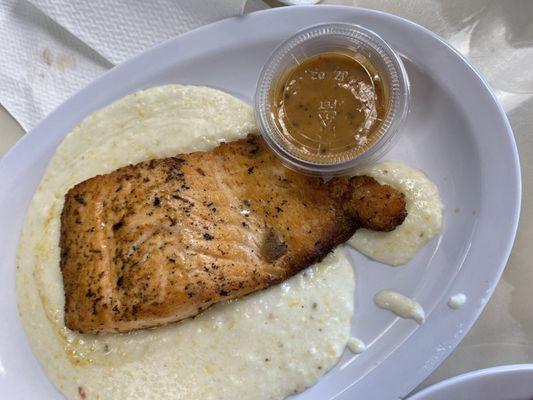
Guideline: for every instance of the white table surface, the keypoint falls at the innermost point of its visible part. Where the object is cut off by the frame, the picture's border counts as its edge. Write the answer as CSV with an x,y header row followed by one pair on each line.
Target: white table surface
x,y
497,36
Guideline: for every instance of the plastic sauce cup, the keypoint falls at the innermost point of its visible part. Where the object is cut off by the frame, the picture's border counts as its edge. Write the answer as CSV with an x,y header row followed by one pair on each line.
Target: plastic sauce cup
x,y
347,39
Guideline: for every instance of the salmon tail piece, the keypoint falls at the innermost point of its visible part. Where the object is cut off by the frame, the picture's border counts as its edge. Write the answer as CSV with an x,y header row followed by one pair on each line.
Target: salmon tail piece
x,y
374,206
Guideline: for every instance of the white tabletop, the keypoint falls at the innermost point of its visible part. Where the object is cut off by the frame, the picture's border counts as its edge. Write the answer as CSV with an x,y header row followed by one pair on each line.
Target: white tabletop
x,y
498,38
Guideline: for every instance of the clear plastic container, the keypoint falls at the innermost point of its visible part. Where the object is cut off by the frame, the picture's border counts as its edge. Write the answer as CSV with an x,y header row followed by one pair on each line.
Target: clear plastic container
x,y
347,39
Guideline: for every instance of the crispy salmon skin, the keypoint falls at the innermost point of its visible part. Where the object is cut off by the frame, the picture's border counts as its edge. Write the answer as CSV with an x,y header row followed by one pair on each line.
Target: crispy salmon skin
x,y
162,240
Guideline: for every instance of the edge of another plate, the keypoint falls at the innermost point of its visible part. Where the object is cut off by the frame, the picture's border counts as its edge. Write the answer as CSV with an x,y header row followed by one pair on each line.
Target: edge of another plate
x,y
515,382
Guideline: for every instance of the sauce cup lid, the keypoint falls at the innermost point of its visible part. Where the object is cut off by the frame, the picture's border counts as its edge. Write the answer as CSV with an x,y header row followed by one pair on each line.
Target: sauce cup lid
x,y
327,38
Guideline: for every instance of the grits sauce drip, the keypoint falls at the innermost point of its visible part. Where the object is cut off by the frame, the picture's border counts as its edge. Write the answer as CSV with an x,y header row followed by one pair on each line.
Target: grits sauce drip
x,y
331,104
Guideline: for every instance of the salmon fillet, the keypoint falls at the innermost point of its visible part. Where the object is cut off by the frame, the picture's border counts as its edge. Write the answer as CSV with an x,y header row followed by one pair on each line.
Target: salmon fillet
x,y
160,241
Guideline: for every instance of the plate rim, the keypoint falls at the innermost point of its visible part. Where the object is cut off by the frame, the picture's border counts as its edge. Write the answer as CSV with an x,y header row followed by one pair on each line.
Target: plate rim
x,y
503,257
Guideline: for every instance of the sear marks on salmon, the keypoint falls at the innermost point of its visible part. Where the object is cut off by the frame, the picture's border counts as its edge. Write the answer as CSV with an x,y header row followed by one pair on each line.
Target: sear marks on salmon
x,y
160,241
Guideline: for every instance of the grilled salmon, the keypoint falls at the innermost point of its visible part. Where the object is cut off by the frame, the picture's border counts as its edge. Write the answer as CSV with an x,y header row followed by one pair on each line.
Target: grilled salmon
x,y
162,240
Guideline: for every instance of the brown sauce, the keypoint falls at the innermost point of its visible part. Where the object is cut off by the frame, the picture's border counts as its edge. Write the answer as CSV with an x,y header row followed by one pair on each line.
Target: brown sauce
x,y
330,104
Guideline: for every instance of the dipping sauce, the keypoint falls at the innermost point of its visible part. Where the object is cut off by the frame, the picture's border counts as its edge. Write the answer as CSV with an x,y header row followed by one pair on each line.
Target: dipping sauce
x,y
331,103
331,98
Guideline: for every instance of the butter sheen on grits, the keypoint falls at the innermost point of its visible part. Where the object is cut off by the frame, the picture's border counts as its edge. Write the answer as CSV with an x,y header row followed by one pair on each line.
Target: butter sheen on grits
x,y
264,346
423,221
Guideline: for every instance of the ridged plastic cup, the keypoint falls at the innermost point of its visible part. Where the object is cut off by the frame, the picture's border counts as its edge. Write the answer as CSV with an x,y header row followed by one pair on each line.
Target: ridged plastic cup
x,y
325,38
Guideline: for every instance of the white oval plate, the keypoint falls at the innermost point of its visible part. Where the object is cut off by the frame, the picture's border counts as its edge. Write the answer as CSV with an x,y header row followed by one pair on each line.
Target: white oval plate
x,y
457,133
508,382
